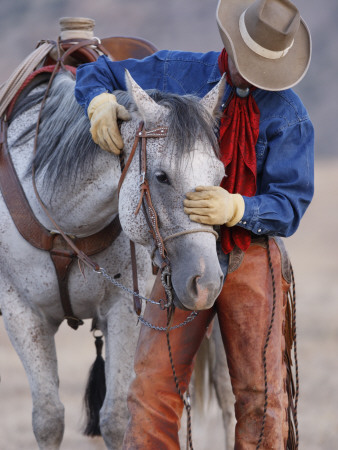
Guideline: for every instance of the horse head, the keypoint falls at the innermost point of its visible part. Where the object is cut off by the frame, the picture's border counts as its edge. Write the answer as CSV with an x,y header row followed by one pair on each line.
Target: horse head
x,y
176,163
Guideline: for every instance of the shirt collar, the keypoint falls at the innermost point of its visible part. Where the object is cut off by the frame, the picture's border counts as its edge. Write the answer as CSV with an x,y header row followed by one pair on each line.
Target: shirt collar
x,y
215,74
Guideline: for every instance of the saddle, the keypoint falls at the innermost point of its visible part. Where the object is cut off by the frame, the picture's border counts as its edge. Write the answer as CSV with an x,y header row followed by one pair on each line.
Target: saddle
x,y
62,251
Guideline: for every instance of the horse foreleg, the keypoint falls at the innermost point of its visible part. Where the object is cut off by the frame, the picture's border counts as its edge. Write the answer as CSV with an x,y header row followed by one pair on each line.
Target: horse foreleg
x,y
121,336
33,339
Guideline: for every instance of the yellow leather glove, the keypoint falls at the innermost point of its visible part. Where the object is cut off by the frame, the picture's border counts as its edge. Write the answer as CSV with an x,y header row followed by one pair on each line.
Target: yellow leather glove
x,y
213,205
103,112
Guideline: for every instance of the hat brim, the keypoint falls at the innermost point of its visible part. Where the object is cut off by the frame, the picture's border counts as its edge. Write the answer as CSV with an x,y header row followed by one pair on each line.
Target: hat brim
x,y
264,73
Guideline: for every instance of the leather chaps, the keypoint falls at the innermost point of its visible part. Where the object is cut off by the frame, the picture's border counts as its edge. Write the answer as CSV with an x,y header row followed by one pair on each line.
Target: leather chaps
x,y
244,309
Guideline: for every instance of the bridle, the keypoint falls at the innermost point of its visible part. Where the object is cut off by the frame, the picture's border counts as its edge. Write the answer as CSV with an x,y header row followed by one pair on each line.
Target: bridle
x,y
140,141
145,197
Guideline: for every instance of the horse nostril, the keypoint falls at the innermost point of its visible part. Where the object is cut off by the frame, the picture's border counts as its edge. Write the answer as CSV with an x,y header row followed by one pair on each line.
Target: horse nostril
x,y
194,284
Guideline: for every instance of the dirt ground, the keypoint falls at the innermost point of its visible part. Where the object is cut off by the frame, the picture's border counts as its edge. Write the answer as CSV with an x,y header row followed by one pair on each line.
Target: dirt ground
x,y
313,251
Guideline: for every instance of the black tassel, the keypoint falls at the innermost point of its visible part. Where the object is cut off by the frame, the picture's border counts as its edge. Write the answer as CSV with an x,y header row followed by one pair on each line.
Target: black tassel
x,y
95,392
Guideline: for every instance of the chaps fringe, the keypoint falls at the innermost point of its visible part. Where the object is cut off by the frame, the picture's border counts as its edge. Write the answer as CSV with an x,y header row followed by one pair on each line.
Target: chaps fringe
x,y
291,350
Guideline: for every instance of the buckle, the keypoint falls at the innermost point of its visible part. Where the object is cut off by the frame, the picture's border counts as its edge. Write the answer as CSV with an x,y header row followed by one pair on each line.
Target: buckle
x,y
142,178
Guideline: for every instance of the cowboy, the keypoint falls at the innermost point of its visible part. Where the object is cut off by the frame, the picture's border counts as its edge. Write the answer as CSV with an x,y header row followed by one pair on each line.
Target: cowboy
x,y
266,144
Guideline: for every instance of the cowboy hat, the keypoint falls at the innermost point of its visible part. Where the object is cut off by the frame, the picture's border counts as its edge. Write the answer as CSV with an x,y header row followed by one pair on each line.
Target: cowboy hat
x,y
267,40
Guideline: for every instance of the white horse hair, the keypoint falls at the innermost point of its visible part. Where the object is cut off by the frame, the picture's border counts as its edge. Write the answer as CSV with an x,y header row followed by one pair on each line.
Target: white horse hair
x,y
78,183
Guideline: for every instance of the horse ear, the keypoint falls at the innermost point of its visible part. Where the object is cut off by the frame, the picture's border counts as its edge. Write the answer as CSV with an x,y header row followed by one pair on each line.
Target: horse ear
x,y
213,99
146,106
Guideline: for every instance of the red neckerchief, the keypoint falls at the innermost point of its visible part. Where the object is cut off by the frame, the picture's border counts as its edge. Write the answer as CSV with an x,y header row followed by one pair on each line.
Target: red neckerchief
x,y
238,136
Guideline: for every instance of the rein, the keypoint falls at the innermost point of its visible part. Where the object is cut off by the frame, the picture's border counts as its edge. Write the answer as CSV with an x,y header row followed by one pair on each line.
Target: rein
x,y
152,220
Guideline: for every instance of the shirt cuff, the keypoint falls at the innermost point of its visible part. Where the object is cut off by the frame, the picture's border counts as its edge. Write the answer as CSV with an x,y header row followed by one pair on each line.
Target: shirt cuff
x,y
250,220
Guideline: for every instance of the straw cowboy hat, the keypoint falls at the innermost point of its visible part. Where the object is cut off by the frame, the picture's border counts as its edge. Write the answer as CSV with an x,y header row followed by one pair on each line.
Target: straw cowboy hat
x,y
267,40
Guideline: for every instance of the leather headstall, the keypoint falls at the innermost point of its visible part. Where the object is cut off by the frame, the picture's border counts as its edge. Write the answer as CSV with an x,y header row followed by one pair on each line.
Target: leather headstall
x,y
145,199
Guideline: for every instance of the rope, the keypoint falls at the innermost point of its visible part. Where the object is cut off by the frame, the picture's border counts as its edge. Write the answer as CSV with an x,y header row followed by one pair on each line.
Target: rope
x,y
76,28
187,405
182,233
295,355
195,230
267,340
17,78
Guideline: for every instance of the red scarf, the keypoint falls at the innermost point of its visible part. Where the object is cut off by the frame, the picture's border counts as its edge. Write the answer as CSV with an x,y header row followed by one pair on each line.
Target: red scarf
x,y
238,136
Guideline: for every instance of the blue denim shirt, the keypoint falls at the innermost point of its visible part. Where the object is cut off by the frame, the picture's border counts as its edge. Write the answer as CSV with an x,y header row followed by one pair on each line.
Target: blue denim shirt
x,y
285,146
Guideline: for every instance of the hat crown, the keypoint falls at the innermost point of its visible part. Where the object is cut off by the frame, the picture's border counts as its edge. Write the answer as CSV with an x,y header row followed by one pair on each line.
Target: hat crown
x,y
268,41
272,24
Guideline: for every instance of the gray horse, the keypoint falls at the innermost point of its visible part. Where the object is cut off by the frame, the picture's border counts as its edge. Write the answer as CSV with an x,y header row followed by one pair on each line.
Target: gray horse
x,y
78,183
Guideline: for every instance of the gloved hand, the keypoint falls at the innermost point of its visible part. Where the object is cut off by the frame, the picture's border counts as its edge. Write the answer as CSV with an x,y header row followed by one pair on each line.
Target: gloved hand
x,y
103,112
213,205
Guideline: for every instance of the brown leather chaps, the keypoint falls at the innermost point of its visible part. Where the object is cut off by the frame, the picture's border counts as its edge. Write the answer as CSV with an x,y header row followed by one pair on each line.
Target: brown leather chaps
x,y
244,309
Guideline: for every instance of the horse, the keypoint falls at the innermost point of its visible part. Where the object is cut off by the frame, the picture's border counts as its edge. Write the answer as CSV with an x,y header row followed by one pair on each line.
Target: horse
x,y
78,183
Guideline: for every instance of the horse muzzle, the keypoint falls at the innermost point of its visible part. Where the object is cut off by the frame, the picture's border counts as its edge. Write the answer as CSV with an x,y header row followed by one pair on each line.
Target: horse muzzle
x,y
198,291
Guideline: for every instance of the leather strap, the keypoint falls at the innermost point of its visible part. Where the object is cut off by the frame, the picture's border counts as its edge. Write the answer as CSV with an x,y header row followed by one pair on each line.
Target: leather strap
x,y
145,198
149,211
62,260
16,201
131,156
137,301
86,47
37,235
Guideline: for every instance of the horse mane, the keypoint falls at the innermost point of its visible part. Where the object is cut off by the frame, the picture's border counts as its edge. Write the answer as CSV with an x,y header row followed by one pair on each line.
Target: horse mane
x,y
187,119
65,148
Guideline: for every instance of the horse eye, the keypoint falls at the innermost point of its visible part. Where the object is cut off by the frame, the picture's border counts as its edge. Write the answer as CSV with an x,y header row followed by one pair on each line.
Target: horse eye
x,y
162,178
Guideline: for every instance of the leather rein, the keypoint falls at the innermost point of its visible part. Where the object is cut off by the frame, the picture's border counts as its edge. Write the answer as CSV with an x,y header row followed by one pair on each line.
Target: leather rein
x,y
152,220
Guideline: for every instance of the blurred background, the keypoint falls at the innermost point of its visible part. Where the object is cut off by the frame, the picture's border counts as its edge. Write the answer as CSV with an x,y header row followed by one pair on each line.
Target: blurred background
x,y
190,25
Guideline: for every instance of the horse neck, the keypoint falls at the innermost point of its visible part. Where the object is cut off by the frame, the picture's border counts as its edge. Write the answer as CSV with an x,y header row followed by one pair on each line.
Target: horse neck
x,y
91,203
80,209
